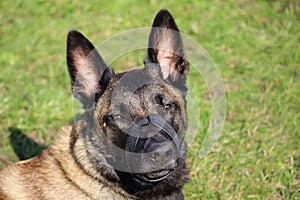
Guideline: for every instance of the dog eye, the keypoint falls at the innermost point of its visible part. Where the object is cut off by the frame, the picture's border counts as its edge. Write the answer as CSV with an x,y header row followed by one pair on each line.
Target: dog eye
x,y
169,105
116,117
164,102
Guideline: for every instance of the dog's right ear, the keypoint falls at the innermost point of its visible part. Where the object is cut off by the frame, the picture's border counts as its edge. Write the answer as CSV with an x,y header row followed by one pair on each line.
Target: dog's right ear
x,y
88,72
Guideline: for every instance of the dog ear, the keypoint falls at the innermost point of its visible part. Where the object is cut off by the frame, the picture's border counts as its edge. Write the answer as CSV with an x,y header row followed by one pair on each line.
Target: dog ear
x,y
165,47
86,67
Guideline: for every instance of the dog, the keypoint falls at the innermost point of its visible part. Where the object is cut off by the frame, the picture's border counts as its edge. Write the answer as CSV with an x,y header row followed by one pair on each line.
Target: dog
x,y
129,143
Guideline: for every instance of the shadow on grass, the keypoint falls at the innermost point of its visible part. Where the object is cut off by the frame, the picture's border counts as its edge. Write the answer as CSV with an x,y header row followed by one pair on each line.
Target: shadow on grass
x,y
24,146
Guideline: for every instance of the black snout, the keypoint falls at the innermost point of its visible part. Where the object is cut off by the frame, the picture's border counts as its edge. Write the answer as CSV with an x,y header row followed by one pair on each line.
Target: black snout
x,y
156,142
152,149
150,132
165,153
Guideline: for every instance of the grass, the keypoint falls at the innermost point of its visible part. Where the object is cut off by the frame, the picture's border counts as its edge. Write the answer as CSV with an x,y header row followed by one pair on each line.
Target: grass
x,y
255,44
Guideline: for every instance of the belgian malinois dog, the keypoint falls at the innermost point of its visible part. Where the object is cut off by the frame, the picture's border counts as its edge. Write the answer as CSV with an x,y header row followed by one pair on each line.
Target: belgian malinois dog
x,y
129,143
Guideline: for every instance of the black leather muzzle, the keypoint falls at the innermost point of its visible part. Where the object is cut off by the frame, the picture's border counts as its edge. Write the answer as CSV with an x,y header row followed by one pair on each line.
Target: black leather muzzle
x,y
149,136
136,132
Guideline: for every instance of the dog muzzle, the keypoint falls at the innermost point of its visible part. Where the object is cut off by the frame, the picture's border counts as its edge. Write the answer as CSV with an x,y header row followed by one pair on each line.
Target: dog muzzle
x,y
151,152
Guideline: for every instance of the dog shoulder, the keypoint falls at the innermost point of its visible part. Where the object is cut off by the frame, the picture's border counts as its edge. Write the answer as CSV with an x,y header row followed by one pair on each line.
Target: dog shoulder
x,y
54,174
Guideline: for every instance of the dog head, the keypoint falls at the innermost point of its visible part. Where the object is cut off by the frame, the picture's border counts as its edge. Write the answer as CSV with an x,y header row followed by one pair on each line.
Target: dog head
x,y
137,119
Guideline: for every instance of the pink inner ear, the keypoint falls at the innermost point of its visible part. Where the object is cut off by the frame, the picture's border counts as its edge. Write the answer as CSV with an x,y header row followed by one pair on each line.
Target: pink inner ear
x,y
165,59
87,76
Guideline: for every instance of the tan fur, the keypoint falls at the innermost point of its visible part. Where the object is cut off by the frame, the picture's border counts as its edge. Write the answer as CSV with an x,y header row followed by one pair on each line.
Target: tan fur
x,y
55,174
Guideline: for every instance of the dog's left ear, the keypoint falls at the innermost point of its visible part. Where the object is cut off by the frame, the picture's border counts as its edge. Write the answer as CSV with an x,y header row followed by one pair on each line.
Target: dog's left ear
x,y
88,72
165,47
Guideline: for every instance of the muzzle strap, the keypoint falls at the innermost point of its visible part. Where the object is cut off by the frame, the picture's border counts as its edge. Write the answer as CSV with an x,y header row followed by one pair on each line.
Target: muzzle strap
x,y
162,124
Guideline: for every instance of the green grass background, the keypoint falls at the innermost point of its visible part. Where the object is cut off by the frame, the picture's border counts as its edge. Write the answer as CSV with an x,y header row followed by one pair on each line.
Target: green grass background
x,y
255,45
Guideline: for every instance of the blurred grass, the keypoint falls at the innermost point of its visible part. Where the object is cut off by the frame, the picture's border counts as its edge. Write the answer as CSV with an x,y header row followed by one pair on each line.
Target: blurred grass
x,y
255,44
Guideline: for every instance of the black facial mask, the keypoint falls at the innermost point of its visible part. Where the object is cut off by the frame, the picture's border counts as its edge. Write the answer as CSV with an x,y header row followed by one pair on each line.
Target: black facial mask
x,y
138,134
